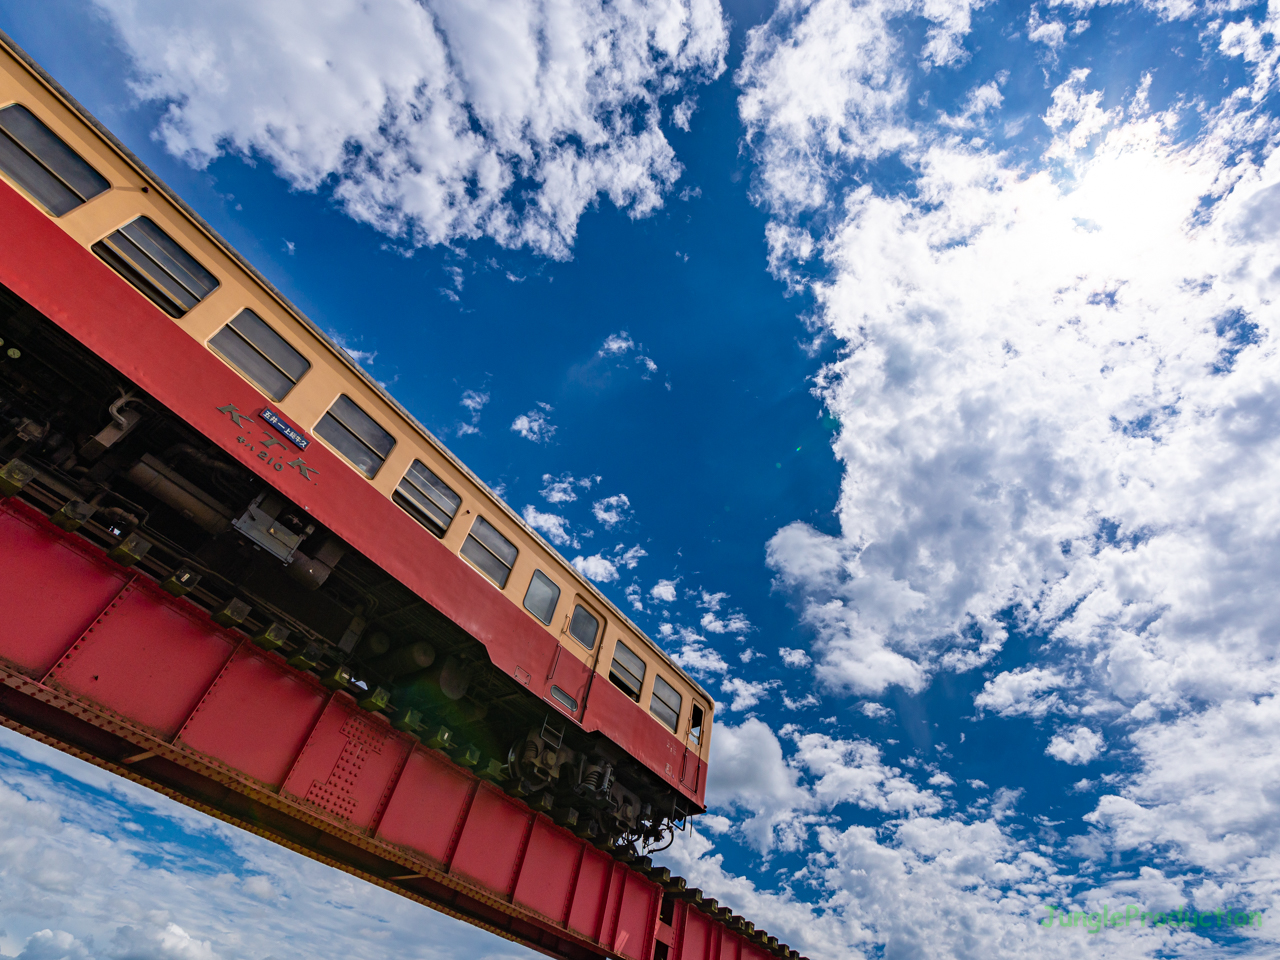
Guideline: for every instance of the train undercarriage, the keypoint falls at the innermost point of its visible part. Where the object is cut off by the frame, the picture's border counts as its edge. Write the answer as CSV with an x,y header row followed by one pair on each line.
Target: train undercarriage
x,y
103,459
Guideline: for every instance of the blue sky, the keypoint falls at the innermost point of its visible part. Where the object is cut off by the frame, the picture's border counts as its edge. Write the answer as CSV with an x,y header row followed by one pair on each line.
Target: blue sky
x,y
905,368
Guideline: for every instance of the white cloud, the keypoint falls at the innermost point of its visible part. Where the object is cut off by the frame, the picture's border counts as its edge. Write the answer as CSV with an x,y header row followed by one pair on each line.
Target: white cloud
x,y
1052,33
534,425
1076,115
94,866
1059,408
1068,391
616,344
1079,745
733,623
664,591
682,112
597,568
1203,790
363,358
696,657
710,601
750,773
1021,693
630,557
982,100
794,658
808,700
564,489
474,401
826,82
874,710
171,943
612,511
746,693
552,526
432,121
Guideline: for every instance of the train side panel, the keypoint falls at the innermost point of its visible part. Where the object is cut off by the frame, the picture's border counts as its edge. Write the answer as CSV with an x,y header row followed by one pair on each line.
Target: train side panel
x,y
68,284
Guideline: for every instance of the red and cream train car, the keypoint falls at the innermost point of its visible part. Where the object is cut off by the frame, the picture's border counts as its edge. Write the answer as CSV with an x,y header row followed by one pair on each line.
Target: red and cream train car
x,y
162,400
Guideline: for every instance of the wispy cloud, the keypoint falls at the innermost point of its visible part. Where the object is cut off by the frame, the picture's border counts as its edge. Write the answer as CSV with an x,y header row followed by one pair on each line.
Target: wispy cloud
x,y
535,424
552,526
616,344
474,401
564,489
612,511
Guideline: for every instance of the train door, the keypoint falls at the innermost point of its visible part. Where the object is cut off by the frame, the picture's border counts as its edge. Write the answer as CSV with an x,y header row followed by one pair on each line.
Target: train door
x,y
691,770
568,676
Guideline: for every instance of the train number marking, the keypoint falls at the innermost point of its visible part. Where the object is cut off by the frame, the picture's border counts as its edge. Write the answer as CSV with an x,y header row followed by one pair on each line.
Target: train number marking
x,y
232,411
263,447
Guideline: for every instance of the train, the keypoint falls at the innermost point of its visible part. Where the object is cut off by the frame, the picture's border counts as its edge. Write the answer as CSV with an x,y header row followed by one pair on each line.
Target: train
x,y
174,410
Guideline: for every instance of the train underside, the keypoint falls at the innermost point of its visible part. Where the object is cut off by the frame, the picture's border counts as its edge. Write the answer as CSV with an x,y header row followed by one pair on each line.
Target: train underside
x,y
101,458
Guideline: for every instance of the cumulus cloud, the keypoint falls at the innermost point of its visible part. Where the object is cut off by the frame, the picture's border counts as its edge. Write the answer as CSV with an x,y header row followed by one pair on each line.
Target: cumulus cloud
x,y
552,526
616,344
746,693
1058,408
534,425
1068,391
171,943
1021,693
612,511
794,658
664,591
1052,33
732,623
564,489
785,795
431,121
1075,746
629,557
696,657
54,945
710,601
93,866
597,568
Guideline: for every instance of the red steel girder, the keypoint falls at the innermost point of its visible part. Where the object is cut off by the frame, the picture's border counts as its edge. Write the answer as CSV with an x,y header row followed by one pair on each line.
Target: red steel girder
x,y
98,661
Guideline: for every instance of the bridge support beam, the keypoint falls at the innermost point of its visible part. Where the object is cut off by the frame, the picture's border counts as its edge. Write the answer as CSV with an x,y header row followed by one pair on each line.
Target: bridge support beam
x,y
99,661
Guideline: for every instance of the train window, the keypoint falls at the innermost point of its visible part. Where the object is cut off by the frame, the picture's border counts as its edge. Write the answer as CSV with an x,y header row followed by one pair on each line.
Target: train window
x,y
627,672
541,597
666,702
162,271
489,551
584,627
695,724
570,704
37,160
261,354
427,498
355,435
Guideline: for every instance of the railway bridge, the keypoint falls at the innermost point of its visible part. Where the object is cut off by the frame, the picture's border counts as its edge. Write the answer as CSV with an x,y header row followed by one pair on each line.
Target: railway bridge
x,y
246,709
